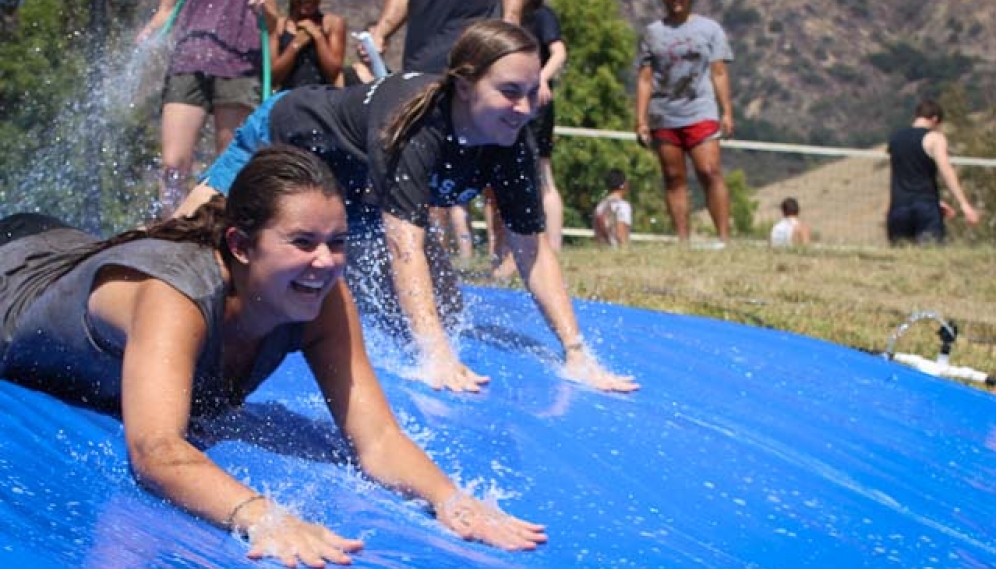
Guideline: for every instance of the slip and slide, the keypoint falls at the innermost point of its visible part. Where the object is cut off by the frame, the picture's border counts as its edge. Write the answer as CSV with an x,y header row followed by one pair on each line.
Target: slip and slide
x,y
745,447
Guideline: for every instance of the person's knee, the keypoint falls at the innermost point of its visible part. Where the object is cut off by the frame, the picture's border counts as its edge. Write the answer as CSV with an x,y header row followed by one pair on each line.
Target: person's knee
x,y
710,174
674,185
177,161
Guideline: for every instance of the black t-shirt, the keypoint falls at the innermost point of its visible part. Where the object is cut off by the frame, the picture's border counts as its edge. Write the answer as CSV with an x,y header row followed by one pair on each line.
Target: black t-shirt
x,y
432,168
545,27
914,172
435,25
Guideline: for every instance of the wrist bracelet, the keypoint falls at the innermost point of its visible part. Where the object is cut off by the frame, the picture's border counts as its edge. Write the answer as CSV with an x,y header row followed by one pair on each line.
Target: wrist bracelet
x,y
576,346
230,522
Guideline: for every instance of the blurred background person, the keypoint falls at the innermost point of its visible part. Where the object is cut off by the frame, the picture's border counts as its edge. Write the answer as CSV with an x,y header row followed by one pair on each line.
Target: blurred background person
x,y
682,74
215,68
790,231
917,153
308,46
613,214
433,27
542,22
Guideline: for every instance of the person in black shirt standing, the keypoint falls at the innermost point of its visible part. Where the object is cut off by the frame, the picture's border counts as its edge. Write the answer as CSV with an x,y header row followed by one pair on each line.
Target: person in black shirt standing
x,y
433,27
539,19
917,153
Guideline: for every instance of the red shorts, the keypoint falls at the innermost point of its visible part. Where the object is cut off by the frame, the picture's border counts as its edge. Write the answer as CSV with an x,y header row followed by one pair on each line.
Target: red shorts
x,y
688,137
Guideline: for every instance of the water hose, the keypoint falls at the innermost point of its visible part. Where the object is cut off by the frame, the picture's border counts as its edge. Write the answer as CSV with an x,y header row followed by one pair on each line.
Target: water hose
x,y
164,31
941,366
264,46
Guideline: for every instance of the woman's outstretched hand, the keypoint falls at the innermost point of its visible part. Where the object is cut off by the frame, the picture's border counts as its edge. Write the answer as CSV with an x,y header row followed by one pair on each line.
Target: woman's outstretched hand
x,y
443,372
474,520
291,541
582,367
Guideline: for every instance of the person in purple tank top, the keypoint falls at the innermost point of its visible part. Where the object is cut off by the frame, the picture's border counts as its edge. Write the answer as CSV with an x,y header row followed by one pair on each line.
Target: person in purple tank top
x,y
214,69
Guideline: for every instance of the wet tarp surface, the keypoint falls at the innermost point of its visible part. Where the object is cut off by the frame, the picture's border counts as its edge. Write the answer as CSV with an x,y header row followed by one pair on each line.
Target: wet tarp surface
x,y
746,447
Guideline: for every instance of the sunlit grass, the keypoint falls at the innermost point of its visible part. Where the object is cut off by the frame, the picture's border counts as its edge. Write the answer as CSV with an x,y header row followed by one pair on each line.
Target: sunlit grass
x,y
851,297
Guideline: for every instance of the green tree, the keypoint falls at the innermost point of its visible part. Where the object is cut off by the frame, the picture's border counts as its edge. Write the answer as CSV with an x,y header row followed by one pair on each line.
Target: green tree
x,y
742,206
62,139
593,94
39,67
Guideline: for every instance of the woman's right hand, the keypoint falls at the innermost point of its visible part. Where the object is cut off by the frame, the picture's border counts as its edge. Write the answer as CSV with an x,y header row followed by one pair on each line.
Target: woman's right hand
x,y
313,30
144,34
643,135
291,540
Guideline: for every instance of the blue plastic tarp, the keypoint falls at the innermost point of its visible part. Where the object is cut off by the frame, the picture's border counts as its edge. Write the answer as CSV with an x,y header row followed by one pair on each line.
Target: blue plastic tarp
x,y
745,447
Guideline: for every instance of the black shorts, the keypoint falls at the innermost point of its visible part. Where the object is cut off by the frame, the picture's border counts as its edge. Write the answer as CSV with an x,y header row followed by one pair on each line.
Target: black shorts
x,y
920,222
542,129
207,92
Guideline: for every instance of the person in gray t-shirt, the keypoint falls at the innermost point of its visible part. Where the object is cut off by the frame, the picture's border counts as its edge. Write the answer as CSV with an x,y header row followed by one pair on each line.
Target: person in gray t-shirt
x,y
682,86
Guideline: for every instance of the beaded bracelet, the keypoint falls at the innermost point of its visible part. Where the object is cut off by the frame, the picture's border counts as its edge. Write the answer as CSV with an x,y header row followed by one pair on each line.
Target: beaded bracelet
x,y
576,346
230,522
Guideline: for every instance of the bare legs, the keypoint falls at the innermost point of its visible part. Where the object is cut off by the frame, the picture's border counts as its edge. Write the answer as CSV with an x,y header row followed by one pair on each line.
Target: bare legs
x,y
553,206
706,161
502,264
181,129
462,233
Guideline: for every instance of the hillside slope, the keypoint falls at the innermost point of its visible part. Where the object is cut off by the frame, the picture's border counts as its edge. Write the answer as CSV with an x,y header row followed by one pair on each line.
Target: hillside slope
x,y
844,201
846,71
841,72
829,72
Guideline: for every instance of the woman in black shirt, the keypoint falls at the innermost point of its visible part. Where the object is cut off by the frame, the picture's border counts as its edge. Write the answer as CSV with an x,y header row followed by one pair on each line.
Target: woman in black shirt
x,y
411,141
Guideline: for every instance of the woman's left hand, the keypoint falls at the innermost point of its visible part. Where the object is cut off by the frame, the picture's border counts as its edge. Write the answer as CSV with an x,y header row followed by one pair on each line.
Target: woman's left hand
x,y
473,520
545,94
257,6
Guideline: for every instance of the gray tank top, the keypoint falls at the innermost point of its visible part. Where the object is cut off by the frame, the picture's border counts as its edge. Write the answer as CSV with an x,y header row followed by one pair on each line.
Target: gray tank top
x,y
49,343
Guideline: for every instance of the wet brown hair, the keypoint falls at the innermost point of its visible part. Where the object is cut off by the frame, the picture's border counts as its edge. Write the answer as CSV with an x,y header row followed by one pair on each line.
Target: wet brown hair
x,y
929,109
480,45
272,174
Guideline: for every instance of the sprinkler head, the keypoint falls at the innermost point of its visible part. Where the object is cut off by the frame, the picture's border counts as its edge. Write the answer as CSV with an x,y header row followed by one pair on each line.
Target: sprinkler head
x,y
948,333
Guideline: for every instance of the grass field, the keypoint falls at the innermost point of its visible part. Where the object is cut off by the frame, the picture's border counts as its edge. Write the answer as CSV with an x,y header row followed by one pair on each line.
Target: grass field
x,y
852,297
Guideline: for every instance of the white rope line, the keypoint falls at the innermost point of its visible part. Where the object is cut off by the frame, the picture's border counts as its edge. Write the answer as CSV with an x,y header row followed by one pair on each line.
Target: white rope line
x,y
581,232
740,145
773,146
